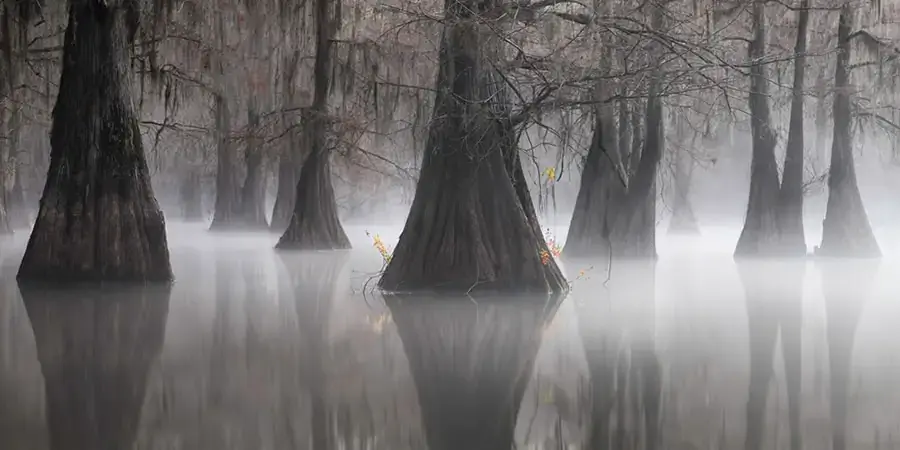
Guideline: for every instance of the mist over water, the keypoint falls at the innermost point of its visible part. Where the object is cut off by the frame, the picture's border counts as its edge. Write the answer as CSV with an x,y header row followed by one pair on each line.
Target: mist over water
x,y
258,349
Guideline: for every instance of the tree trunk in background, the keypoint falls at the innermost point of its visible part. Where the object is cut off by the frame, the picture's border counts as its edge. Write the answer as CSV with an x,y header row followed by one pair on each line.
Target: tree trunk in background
x,y
790,212
98,216
5,227
626,139
760,235
315,224
471,226
191,196
286,193
253,194
600,195
470,363
228,209
634,227
288,171
683,220
16,34
96,348
637,138
611,219
846,230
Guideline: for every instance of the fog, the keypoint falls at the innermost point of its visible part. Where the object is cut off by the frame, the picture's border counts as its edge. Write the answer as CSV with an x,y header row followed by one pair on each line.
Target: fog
x,y
272,350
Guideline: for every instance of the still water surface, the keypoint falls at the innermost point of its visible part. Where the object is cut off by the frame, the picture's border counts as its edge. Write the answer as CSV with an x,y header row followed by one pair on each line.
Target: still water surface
x,y
253,349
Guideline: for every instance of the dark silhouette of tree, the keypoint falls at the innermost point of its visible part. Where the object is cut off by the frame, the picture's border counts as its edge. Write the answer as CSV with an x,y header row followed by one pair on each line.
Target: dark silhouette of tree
x,y
615,211
315,224
96,347
98,217
472,225
774,221
846,230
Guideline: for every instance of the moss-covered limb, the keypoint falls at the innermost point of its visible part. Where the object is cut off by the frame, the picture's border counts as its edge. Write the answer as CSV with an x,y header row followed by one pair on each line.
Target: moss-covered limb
x,y
96,346
98,217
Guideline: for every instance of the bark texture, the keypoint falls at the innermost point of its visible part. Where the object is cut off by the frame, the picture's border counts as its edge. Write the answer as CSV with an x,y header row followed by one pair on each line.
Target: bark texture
x,y
98,216
315,224
471,363
96,347
846,230
472,225
774,299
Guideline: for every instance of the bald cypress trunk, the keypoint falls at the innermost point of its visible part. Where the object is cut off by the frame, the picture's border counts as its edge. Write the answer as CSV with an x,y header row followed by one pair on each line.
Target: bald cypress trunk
x,y
791,199
253,193
98,216
228,193
472,225
615,211
5,228
286,193
315,224
96,348
846,231
288,171
290,156
760,235
15,34
683,219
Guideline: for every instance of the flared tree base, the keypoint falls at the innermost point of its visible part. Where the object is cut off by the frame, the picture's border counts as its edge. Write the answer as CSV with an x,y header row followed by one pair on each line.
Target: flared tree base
x,y
109,238
315,224
846,232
